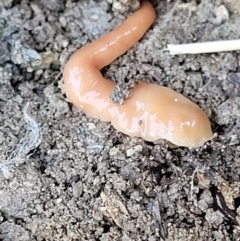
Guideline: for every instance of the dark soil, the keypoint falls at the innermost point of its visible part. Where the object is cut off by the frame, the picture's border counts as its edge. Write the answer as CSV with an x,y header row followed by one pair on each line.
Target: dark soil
x,y
67,176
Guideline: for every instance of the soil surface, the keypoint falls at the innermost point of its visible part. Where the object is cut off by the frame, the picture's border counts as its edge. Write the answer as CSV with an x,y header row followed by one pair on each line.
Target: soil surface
x,y
67,176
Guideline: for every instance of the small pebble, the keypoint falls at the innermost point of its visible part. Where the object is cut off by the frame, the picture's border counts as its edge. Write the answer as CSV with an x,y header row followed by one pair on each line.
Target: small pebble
x,y
222,14
133,150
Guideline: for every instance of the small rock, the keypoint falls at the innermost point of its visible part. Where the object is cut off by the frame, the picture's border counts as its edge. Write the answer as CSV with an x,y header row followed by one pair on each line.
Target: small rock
x,y
222,14
1,218
1,137
63,21
134,149
65,43
77,189
59,200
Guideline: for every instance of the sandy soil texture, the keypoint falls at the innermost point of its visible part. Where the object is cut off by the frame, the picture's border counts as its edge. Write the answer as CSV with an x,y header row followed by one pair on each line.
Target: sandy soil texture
x,y
66,176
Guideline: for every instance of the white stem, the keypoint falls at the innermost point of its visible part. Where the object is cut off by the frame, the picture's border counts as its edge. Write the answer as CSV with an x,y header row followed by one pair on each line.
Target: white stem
x,y
207,47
